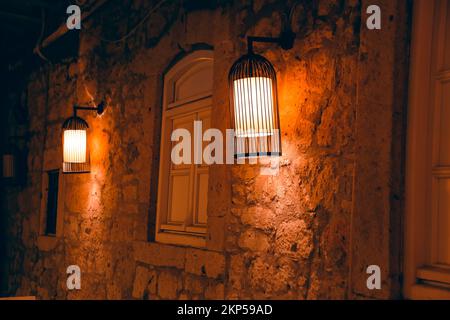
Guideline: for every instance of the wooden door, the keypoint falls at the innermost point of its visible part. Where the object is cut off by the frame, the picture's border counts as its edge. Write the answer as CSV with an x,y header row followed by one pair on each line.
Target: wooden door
x,y
427,223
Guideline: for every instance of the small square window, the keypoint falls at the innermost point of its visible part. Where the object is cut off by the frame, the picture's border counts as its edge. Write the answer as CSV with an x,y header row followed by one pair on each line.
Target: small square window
x,y
52,202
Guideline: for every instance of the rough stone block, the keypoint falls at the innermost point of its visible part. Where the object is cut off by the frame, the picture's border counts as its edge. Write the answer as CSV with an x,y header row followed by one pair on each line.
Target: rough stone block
x,y
205,263
114,292
130,193
254,240
194,284
157,254
168,284
215,292
140,282
216,233
294,239
258,217
152,282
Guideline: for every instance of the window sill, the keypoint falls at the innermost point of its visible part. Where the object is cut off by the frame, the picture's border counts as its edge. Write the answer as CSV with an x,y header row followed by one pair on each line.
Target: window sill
x,y
202,262
47,243
428,292
199,231
434,274
19,298
181,239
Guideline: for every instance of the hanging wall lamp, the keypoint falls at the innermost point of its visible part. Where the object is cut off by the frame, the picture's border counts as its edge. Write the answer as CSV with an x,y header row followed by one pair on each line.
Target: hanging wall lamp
x,y
254,102
76,158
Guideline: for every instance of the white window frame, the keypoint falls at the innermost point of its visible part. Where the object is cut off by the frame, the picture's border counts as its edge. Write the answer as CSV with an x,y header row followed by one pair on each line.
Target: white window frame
x,y
186,234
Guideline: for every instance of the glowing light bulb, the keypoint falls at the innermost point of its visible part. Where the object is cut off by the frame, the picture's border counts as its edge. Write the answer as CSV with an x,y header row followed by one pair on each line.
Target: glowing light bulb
x,y
253,103
75,146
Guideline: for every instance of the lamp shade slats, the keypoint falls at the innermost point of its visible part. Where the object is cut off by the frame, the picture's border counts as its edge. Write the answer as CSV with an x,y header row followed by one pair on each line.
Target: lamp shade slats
x,y
254,107
75,146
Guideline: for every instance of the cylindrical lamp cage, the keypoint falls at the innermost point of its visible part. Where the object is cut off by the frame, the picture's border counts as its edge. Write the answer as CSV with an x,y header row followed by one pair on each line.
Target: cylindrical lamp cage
x,y
75,146
254,107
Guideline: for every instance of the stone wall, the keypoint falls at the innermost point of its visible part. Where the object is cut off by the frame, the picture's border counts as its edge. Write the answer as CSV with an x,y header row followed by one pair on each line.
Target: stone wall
x,y
285,236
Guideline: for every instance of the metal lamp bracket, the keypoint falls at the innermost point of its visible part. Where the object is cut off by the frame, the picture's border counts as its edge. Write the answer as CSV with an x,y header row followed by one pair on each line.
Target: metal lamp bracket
x,y
285,40
99,109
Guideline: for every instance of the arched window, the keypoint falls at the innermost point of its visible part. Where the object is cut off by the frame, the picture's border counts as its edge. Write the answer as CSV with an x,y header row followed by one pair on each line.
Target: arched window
x,y
183,188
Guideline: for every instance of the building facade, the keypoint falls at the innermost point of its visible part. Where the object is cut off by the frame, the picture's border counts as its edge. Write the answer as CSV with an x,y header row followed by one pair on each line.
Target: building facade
x,y
335,206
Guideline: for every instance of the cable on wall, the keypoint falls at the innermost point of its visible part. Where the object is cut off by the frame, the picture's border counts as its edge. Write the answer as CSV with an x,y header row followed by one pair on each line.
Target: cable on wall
x,y
136,27
41,35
